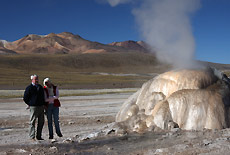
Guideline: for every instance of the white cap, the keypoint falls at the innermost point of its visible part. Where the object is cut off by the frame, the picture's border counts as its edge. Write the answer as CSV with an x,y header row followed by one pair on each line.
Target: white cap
x,y
45,80
32,76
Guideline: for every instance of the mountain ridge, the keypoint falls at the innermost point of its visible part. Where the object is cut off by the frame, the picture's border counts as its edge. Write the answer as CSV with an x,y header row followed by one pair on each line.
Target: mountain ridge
x,y
66,43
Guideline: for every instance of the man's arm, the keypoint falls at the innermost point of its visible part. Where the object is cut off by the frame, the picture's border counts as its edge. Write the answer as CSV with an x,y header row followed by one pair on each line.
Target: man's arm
x,y
43,95
26,96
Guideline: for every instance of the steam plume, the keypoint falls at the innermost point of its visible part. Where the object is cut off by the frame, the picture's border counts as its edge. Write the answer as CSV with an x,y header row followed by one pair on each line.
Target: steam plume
x,y
165,25
116,2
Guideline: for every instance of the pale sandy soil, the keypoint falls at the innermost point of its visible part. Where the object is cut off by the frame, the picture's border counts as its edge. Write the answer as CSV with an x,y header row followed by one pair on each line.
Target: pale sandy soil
x,y
82,115
78,114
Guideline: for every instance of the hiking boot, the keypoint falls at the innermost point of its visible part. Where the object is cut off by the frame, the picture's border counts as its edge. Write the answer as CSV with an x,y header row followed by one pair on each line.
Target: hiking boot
x,y
51,137
39,138
60,135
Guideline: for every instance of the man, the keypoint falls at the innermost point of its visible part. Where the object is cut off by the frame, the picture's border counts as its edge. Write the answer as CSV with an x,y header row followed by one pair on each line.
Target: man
x,y
34,98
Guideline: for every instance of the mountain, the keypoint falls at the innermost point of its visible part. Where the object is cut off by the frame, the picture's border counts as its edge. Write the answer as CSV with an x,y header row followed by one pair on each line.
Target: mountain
x,y
64,43
4,50
139,45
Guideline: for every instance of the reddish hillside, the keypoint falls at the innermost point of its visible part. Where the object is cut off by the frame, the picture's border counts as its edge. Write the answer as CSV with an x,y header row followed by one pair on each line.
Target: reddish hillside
x,y
140,45
67,43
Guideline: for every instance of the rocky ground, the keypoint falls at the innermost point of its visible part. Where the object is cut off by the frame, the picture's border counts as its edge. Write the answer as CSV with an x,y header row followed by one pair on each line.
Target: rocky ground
x,y
87,126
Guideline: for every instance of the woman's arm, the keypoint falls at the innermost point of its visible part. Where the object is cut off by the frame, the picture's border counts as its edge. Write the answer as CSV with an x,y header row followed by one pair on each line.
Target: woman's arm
x,y
57,93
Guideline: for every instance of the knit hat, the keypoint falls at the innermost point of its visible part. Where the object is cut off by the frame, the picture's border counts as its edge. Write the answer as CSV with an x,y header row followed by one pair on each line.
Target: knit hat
x,y
46,80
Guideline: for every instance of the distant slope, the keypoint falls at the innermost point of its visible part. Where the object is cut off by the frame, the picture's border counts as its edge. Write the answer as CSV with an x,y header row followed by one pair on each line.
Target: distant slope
x,y
140,45
66,43
4,50
80,62
222,67
79,70
87,70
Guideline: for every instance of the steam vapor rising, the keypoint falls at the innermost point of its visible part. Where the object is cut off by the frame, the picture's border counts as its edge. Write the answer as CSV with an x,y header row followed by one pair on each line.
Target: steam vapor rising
x,y
116,2
165,25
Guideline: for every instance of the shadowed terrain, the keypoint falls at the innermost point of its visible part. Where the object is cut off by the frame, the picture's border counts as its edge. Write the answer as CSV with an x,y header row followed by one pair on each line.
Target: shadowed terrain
x,y
100,70
91,70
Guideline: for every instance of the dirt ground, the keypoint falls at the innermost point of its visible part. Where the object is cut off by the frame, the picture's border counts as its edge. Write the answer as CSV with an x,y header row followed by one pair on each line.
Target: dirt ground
x,y
83,118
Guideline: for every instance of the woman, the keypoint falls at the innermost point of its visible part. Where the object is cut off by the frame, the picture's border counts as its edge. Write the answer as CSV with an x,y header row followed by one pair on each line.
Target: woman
x,y
53,104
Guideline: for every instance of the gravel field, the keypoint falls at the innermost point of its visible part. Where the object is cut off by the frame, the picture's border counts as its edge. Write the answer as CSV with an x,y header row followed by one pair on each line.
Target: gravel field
x,y
84,115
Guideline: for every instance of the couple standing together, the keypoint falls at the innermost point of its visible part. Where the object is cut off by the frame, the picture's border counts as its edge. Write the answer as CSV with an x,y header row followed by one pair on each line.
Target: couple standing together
x,y
39,99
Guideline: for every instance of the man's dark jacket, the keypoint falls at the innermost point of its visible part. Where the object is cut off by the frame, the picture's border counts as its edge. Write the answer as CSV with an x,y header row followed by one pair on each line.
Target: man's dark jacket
x,y
34,96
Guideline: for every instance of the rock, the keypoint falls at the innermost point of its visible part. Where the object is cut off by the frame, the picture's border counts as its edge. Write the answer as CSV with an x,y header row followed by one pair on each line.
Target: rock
x,y
175,130
169,134
207,142
77,136
120,132
181,147
226,133
191,135
110,131
222,139
89,136
53,140
53,148
172,125
70,123
68,140
20,151
161,150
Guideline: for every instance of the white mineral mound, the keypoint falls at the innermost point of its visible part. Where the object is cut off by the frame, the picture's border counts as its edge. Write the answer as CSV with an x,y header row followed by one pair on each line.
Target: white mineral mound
x,y
190,99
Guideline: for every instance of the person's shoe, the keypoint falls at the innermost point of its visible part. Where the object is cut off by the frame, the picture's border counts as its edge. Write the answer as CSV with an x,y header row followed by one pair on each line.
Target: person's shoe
x,y
60,135
51,137
33,139
39,138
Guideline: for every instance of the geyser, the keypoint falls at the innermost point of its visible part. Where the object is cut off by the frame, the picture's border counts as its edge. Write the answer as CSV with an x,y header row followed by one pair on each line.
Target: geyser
x,y
188,99
165,25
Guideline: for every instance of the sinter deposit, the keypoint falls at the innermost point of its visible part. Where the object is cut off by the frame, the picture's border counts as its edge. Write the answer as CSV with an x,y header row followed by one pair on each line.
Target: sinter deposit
x,y
188,99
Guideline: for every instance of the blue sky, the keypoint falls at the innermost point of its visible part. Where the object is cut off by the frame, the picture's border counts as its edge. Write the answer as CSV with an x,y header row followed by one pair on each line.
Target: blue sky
x,y
100,22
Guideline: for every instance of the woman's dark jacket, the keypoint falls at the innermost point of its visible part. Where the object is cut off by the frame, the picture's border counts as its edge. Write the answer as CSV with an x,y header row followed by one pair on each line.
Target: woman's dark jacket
x,y
34,96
